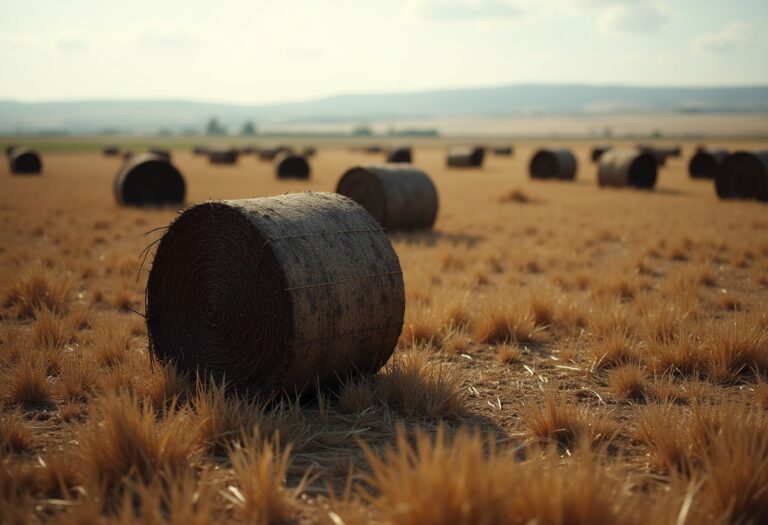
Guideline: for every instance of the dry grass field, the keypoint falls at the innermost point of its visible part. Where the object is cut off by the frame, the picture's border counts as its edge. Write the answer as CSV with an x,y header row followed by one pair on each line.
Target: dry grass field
x,y
570,355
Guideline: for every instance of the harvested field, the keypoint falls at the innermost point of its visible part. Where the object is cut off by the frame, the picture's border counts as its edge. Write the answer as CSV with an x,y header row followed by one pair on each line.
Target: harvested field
x,y
570,354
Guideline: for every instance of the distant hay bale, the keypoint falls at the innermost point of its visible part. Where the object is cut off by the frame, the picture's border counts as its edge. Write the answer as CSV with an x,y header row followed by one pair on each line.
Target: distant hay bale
x,y
22,161
289,166
309,151
373,149
110,151
236,291
553,164
159,152
502,151
660,155
743,175
397,197
627,167
248,150
400,155
465,157
200,150
148,179
598,151
271,152
704,163
223,156
9,148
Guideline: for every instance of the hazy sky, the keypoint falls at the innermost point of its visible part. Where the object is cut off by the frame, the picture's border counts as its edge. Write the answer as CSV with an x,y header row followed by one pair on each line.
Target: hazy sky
x,y
254,51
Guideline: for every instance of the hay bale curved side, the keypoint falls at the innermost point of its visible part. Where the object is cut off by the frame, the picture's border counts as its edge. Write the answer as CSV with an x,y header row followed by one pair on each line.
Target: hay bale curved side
x,y
274,293
553,164
223,156
743,175
397,197
289,166
598,151
159,152
623,167
465,157
705,161
400,155
149,179
22,161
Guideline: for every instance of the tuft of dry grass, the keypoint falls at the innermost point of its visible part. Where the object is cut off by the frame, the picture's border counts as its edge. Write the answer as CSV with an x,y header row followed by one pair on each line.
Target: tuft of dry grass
x,y
661,428
505,323
356,395
616,349
628,381
110,343
37,287
15,435
50,330
508,353
736,349
421,326
515,195
27,382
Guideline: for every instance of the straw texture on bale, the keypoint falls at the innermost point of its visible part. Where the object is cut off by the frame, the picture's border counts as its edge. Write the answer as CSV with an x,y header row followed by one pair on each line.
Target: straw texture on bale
x,y
502,151
598,151
705,161
110,151
289,166
149,179
24,162
627,167
270,153
400,155
275,294
223,156
743,175
465,157
553,164
397,197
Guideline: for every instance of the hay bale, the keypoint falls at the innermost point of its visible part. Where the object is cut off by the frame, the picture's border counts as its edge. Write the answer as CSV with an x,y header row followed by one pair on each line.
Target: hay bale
x,y
22,161
248,150
627,167
659,154
271,152
9,148
110,151
502,151
149,180
289,166
373,149
309,151
397,197
705,162
223,156
200,150
400,155
598,151
553,164
465,157
743,175
159,152
274,294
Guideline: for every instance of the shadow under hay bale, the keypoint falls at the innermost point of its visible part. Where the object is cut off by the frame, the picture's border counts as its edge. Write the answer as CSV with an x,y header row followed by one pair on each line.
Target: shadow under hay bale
x,y
270,153
743,175
397,197
465,157
400,155
705,162
598,151
502,151
110,151
149,180
620,167
223,156
236,291
553,164
289,166
22,161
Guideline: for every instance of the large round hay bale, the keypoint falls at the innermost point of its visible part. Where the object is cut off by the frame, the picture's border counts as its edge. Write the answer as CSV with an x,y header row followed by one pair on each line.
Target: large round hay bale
x,y
223,156
659,154
553,164
289,166
465,157
502,151
24,162
627,167
400,155
275,294
148,179
271,152
743,175
704,163
110,151
598,151
397,197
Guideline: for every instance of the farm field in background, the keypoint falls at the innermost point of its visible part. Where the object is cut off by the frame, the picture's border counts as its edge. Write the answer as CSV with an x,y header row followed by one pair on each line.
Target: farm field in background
x,y
570,354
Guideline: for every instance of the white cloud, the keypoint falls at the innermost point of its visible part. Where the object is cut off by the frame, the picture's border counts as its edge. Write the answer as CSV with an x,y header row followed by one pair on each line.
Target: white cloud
x,y
730,39
637,17
465,9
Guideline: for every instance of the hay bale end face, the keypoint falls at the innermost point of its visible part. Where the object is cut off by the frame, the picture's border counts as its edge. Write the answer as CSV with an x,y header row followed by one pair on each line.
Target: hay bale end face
x,y
619,167
289,166
110,151
274,294
397,197
400,155
465,157
704,163
149,180
743,175
24,162
553,164
223,156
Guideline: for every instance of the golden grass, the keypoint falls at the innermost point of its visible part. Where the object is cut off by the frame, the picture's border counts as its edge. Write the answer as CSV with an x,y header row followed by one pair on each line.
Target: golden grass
x,y
15,435
37,287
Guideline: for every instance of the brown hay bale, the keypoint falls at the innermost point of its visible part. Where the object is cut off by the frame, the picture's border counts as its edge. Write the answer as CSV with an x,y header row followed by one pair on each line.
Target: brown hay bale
x,y
743,175
553,164
159,152
248,150
200,150
271,152
110,151
465,157
598,151
373,149
223,156
237,290
149,179
503,151
705,161
289,166
397,197
24,162
400,155
659,154
626,167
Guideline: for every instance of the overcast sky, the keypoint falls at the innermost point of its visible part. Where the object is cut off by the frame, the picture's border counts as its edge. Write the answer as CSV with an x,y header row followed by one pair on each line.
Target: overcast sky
x,y
254,51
